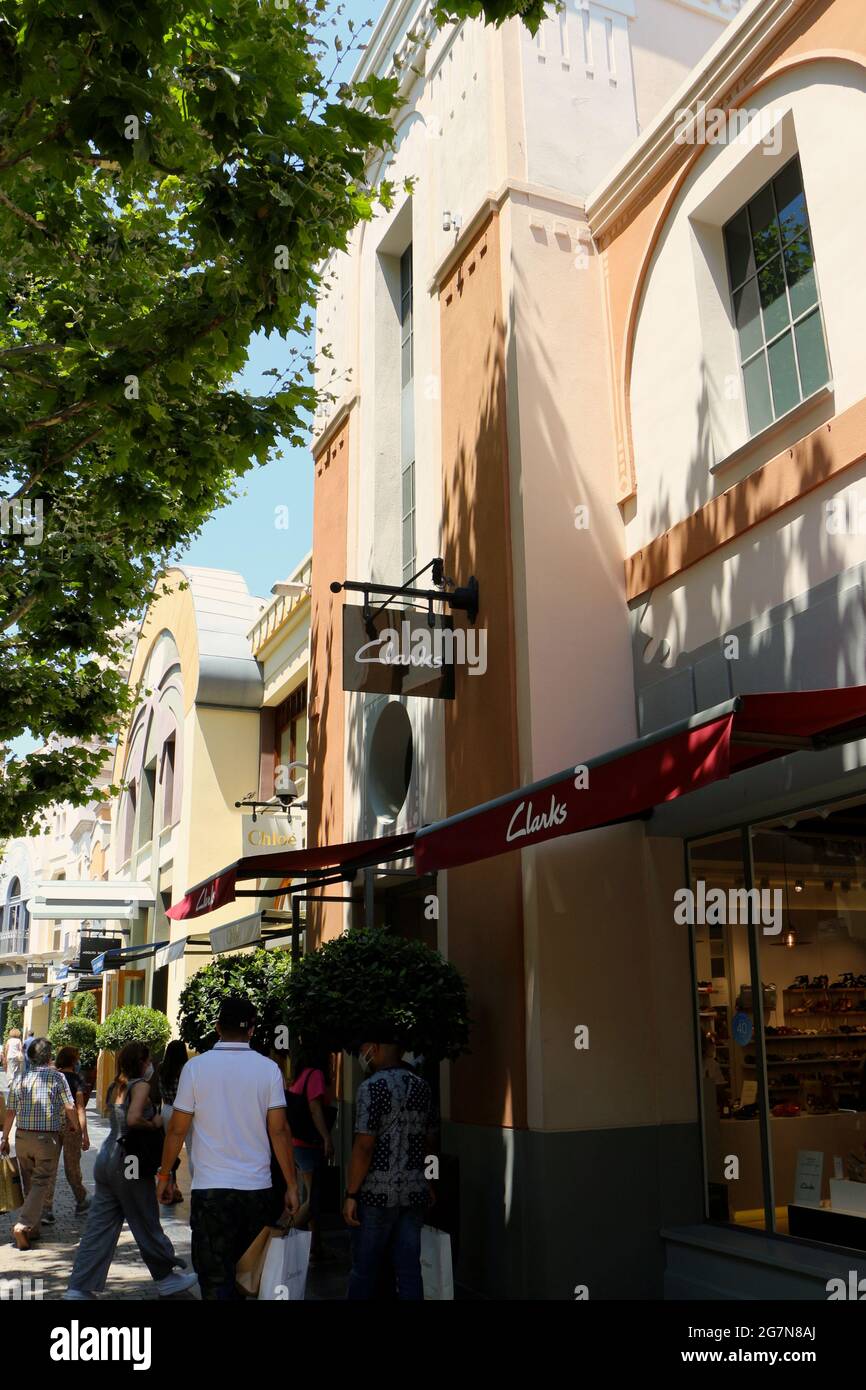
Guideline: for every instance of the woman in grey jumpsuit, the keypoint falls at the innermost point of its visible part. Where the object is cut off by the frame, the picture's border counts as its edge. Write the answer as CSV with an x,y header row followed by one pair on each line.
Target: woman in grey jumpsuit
x,y
120,1198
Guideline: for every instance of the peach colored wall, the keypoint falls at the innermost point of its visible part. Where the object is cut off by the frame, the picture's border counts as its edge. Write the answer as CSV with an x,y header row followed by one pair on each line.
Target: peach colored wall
x,y
823,27
325,747
485,923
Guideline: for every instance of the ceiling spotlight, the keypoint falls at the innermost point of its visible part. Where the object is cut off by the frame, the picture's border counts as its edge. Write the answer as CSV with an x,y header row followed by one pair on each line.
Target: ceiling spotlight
x,y
798,885
790,938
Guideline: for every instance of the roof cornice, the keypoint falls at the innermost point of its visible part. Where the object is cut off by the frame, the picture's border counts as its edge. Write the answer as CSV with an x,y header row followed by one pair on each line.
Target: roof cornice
x,y
715,78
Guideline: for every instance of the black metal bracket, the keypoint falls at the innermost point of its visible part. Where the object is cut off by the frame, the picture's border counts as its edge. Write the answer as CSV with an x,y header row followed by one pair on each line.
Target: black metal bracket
x,y
464,597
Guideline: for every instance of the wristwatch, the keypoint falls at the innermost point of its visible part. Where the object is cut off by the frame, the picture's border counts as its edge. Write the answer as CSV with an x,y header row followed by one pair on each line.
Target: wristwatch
x,y
351,1196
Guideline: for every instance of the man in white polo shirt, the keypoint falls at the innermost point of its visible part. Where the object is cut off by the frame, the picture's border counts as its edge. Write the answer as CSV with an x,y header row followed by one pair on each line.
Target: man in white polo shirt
x,y
238,1102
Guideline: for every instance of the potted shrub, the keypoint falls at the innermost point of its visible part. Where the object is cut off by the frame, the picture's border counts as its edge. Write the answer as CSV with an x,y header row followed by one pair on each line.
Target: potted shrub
x,y
261,975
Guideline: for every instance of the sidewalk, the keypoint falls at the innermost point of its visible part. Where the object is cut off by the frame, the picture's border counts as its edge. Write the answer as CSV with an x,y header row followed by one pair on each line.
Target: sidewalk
x,y
53,1253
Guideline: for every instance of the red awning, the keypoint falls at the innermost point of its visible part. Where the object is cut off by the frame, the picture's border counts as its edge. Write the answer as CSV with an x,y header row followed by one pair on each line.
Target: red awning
x,y
628,782
219,889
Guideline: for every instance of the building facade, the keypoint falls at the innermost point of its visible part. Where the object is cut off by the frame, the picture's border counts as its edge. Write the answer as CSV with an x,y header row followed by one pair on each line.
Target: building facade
x,y
740,440
470,323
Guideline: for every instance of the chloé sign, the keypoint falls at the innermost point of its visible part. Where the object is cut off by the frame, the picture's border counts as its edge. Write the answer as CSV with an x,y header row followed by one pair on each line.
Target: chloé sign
x,y
270,834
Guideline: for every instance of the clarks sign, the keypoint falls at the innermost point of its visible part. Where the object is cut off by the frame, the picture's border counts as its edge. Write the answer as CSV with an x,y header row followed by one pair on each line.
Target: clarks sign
x,y
398,653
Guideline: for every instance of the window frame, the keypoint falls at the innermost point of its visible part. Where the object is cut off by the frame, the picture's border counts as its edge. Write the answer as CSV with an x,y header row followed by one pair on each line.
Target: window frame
x,y
753,278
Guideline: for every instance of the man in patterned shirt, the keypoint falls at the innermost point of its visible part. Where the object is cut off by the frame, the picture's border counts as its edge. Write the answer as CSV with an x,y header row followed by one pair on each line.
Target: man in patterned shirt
x,y
38,1101
388,1193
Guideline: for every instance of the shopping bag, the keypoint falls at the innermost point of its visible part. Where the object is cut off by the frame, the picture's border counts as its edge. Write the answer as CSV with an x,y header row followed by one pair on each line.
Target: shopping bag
x,y
284,1276
436,1273
248,1270
10,1184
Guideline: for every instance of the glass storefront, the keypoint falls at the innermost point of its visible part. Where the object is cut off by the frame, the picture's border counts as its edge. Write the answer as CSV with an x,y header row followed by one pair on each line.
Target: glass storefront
x,y
780,957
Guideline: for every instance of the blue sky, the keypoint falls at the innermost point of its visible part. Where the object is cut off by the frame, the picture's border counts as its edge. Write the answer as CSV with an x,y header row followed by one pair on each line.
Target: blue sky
x,y
244,536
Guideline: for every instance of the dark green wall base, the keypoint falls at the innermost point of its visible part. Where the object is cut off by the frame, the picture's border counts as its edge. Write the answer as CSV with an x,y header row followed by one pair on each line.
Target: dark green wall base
x,y
585,1208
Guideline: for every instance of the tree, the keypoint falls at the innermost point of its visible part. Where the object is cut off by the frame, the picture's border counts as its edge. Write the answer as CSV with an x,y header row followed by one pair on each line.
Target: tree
x,y
172,175
76,1031
262,976
134,1023
369,986
84,1005
14,1019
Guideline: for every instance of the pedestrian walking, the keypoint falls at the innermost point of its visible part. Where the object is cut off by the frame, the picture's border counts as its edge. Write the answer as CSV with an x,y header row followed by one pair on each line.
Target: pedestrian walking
x,y
388,1194
74,1140
125,1188
311,1115
173,1062
13,1054
235,1098
39,1103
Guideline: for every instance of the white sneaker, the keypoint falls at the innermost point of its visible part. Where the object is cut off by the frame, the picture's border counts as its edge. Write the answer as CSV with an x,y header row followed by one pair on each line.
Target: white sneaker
x,y
77,1296
175,1283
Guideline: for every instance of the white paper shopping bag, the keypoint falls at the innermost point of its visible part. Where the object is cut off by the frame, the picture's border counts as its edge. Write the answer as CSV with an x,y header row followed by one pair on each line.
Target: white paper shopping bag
x,y
436,1270
284,1275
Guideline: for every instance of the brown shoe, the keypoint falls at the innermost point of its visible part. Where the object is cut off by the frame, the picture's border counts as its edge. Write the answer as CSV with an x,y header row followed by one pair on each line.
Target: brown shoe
x,y
21,1236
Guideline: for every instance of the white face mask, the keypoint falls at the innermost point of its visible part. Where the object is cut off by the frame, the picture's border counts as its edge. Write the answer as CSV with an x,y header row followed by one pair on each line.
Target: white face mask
x,y
148,1071
365,1060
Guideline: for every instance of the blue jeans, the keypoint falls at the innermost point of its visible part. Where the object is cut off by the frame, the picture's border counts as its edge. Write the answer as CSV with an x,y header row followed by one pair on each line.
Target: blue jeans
x,y
387,1233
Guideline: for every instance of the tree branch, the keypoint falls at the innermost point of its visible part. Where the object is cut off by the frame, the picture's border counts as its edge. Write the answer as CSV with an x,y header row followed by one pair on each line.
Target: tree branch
x,y
24,216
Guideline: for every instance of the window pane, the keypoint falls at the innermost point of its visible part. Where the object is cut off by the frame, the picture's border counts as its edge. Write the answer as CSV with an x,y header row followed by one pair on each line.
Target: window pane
x,y
800,272
765,232
791,201
783,374
747,318
408,489
408,538
406,362
738,243
758,395
812,352
774,300
406,271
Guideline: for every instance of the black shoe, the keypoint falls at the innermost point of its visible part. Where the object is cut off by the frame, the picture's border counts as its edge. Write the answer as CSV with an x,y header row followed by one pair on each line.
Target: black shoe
x,y
48,1218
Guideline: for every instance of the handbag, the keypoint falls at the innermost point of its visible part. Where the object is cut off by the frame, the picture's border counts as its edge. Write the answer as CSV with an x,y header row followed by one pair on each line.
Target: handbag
x,y
248,1270
436,1271
10,1184
284,1270
144,1145
300,1116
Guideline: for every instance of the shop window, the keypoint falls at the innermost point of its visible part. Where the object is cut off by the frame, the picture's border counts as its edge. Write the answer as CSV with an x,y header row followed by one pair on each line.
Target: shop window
x,y
815,1033
130,798
146,802
734,1146
775,303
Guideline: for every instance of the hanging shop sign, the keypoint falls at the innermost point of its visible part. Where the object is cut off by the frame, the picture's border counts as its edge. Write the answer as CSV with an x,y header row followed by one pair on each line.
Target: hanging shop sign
x,y
397,652
268,834
37,974
92,946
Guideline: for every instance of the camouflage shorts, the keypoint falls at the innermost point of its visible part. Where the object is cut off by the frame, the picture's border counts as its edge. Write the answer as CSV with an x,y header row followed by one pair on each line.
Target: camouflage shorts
x,y
224,1223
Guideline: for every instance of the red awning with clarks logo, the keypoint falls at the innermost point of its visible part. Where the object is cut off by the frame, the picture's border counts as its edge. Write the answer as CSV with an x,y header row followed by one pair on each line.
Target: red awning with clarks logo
x,y
219,889
628,782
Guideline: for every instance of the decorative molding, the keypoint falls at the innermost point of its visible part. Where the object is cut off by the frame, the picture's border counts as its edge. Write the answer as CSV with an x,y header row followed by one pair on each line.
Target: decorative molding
x,y
713,82
319,442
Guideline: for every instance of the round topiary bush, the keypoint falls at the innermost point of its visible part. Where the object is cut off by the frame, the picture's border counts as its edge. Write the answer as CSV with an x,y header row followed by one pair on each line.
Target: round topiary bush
x,y
134,1023
76,1032
371,986
262,976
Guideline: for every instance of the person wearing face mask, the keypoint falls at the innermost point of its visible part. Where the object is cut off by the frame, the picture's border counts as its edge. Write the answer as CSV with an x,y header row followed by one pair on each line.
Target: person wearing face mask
x,y
122,1193
388,1193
